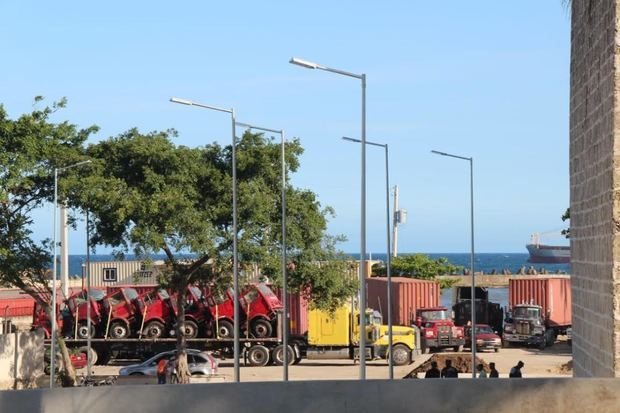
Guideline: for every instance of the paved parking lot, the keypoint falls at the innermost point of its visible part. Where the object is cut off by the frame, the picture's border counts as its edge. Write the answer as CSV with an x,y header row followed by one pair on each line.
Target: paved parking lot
x,y
545,363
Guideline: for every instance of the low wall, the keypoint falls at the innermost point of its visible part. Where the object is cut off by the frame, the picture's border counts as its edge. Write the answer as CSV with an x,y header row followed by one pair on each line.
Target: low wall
x,y
21,359
459,395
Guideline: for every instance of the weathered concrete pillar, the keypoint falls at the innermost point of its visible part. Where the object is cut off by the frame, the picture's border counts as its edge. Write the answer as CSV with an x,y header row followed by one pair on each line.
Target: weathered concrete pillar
x,y
595,187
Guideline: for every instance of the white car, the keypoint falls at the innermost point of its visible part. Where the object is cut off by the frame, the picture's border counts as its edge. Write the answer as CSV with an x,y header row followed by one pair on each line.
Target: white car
x,y
200,363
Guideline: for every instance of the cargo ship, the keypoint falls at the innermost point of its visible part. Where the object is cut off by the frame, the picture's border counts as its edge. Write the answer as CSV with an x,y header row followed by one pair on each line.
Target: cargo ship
x,y
547,254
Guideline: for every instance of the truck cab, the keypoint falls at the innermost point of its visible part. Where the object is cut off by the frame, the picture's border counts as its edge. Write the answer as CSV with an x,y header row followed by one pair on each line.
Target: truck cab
x,y
336,335
438,329
526,324
76,318
120,310
157,313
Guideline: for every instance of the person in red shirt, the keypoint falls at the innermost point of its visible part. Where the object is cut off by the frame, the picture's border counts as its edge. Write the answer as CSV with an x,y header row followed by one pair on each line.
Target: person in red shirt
x,y
161,371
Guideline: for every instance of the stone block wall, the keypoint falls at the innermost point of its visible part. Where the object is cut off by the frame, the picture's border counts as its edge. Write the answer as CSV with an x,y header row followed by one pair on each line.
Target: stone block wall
x,y
21,359
595,188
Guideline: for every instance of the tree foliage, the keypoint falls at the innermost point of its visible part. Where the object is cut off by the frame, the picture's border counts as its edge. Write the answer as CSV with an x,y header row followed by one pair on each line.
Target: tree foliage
x,y
147,194
31,146
422,267
566,217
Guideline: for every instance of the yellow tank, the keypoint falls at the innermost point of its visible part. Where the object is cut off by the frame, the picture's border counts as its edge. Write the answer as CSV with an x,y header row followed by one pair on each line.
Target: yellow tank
x,y
325,329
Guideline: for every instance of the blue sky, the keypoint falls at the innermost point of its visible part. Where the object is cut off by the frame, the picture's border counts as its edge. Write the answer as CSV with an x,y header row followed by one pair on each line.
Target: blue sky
x,y
486,79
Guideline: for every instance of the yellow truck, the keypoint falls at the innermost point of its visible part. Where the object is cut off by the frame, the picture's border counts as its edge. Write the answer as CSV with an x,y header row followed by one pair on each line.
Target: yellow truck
x,y
336,336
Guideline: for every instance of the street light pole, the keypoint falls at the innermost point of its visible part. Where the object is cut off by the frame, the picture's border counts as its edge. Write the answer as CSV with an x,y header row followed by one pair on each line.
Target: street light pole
x,y
362,280
88,321
471,258
285,321
54,270
388,244
236,345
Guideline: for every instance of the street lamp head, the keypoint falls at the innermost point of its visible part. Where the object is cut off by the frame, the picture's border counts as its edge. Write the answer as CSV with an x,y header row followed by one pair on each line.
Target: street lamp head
x,y
181,101
345,138
440,153
303,63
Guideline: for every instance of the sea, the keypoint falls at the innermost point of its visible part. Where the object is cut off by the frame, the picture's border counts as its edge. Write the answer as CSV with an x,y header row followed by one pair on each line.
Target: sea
x,y
486,262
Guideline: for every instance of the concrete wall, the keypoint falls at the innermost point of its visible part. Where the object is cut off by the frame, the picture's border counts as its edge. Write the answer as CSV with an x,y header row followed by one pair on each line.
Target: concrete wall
x,y
21,359
595,188
485,395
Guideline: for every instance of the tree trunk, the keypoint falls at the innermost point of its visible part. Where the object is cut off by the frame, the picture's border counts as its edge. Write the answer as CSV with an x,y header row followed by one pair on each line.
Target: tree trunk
x,y
66,371
182,369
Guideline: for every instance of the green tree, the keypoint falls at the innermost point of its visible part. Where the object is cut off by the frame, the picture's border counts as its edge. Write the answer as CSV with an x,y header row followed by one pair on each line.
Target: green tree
x,y
30,148
423,267
566,217
147,194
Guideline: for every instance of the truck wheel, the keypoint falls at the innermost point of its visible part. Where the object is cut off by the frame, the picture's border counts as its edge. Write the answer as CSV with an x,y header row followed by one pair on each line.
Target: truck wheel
x,y
542,344
191,329
82,331
277,355
261,328
225,329
258,356
119,329
402,355
154,329
94,357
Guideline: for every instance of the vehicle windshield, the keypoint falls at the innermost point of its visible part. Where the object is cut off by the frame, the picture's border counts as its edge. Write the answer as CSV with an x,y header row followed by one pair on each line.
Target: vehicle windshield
x,y
196,292
163,294
97,295
526,312
116,298
484,330
265,290
131,293
435,315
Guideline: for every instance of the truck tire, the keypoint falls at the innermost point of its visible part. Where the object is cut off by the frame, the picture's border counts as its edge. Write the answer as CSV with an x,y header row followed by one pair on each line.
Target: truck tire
x,y
401,355
191,329
261,328
154,329
277,355
258,356
82,330
118,329
225,329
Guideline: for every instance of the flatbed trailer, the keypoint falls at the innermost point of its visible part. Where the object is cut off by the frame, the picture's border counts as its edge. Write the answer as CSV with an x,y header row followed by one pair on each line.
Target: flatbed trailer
x,y
103,350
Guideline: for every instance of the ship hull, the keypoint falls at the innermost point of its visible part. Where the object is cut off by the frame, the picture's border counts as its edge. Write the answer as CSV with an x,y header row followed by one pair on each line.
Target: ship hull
x,y
547,254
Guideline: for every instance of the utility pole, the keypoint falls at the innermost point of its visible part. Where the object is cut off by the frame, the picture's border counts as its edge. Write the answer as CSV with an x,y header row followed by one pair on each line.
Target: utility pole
x,y
64,251
395,224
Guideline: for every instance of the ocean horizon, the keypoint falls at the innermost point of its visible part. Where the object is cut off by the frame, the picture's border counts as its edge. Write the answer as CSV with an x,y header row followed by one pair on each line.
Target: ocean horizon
x,y
484,261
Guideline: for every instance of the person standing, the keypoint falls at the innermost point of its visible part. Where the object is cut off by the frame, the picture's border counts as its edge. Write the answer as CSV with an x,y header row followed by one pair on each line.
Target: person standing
x,y
515,372
449,372
161,371
494,374
481,373
433,372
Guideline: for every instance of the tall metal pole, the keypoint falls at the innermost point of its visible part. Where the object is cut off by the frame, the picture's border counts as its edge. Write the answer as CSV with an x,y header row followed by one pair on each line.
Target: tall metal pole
x,y
362,287
284,272
395,224
236,346
88,322
389,263
473,274
53,341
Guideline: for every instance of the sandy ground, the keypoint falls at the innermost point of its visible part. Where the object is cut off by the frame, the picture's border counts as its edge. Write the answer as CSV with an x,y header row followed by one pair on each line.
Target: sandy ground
x,y
537,364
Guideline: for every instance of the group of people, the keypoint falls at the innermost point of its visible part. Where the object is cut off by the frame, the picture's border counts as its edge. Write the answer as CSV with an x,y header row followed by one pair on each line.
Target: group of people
x,y
166,370
449,372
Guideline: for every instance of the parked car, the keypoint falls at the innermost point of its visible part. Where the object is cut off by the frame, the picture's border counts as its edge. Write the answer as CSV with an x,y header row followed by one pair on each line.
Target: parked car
x,y
200,363
485,337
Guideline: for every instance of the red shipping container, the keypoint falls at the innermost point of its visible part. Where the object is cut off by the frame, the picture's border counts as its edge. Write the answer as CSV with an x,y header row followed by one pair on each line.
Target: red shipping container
x,y
553,294
408,294
298,310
